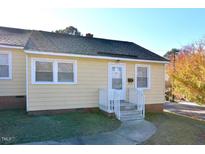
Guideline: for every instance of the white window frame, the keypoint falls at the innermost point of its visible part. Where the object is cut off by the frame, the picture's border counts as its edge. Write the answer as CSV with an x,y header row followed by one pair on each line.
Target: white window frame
x,y
9,64
148,75
55,70
74,62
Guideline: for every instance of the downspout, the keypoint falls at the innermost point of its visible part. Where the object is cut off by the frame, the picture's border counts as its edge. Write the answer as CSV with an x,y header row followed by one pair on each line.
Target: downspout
x,y
26,83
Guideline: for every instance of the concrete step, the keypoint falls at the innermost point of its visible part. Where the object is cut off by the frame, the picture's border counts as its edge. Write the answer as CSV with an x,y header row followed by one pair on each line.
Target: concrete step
x,y
131,115
128,108
126,104
128,118
134,114
130,112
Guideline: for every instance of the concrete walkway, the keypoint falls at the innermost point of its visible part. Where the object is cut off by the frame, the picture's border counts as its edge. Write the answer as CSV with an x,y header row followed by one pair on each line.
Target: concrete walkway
x,y
186,109
129,133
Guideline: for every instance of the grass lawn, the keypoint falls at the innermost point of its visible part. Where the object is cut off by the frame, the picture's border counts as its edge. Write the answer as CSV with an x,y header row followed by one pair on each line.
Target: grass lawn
x,y
18,127
173,129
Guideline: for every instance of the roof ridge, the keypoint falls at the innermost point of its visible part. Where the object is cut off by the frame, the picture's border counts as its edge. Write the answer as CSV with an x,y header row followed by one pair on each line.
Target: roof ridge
x,y
80,36
15,28
63,34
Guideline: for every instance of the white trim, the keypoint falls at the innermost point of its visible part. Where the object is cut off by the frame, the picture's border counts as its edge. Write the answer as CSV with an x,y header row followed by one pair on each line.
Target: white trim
x,y
9,64
55,70
74,62
27,83
149,75
11,47
90,56
123,66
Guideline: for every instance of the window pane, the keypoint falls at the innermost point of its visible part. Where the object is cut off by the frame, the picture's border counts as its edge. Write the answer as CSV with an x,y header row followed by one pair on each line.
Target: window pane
x,y
44,66
44,71
65,72
117,84
142,82
65,67
116,78
142,71
44,76
65,77
4,71
142,77
4,59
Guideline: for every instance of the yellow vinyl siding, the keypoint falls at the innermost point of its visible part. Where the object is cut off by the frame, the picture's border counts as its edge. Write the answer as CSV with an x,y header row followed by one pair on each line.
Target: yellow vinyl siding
x,y
17,85
81,95
92,74
155,94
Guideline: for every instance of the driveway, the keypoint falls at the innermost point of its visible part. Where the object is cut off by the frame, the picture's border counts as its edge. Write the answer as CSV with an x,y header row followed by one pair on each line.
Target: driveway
x,y
129,133
187,109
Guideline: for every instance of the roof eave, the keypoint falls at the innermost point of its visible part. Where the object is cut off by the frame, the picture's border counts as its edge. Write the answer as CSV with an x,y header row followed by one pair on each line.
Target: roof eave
x,y
91,56
11,46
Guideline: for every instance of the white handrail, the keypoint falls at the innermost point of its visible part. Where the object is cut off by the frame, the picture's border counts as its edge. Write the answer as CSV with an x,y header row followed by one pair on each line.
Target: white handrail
x,y
103,100
136,96
116,98
109,101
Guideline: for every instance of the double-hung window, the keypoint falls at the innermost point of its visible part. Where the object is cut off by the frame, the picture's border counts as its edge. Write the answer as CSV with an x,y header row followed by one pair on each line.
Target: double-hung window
x,y
52,71
44,71
5,65
143,76
65,72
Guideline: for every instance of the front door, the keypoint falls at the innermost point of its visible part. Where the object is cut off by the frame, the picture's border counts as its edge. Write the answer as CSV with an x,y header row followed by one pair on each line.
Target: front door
x,y
117,79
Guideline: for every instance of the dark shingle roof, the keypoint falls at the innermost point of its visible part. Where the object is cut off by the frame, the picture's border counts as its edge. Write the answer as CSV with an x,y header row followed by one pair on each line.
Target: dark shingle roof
x,y
13,36
64,43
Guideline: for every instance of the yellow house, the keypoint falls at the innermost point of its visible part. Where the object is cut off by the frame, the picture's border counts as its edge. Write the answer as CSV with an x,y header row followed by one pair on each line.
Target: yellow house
x,y
44,71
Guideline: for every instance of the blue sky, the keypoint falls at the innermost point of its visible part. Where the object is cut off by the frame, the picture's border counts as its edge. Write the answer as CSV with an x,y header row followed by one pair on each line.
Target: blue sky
x,y
158,30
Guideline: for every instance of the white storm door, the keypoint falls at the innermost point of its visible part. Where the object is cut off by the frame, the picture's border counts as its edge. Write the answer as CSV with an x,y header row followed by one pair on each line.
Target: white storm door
x,y
117,79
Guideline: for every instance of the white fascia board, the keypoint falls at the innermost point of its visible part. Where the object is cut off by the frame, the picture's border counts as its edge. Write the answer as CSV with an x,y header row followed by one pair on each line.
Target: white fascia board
x,y
11,47
90,56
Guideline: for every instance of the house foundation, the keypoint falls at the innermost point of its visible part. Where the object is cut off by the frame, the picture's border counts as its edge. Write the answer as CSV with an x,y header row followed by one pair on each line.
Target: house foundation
x,y
12,102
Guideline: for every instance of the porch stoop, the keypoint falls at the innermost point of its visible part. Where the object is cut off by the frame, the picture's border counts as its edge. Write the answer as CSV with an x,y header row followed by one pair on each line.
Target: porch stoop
x,y
129,111
133,108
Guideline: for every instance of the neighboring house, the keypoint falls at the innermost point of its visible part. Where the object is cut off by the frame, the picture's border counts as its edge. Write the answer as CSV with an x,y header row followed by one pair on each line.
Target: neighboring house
x,y
48,71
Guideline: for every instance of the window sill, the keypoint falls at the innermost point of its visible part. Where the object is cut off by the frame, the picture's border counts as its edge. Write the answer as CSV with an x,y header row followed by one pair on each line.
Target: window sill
x,y
144,88
6,78
54,83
